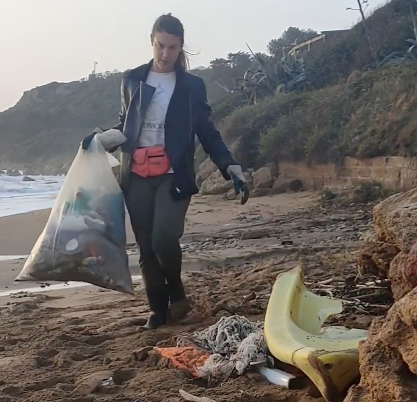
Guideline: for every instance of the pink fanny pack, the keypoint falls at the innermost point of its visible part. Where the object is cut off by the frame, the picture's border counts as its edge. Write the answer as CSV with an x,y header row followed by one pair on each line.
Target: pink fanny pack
x,y
149,162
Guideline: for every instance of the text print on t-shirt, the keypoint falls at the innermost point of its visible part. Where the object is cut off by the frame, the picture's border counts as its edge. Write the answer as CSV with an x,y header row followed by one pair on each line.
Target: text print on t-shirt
x,y
153,128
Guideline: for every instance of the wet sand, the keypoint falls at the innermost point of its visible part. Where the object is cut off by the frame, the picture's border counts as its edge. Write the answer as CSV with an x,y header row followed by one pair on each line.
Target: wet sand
x,y
19,233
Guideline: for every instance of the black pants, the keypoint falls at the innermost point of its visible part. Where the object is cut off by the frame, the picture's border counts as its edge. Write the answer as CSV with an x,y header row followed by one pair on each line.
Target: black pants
x,y
158,224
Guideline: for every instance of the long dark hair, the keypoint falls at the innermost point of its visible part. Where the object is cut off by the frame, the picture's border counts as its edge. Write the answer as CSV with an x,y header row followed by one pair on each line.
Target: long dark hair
x,y
173,26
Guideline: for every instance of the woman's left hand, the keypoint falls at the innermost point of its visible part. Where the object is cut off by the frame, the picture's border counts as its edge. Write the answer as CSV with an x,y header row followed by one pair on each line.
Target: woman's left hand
x,y
239,182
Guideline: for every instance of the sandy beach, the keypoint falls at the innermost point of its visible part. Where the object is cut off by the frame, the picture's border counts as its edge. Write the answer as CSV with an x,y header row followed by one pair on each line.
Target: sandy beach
x,y
19,233
55,345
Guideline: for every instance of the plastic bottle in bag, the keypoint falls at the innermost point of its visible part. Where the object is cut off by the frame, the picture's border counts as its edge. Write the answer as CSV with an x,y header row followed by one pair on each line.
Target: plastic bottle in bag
x,y
85,237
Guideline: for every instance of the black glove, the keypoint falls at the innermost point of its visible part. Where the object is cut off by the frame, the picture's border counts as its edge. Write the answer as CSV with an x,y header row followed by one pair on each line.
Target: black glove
x,y
239,182
87,140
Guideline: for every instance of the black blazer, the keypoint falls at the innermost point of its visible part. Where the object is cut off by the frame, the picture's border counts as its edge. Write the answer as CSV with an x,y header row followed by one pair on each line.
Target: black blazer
x,y
188,115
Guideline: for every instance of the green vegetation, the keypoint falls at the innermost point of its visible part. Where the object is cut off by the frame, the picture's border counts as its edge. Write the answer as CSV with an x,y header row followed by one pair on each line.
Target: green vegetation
x,y
371,117
368,118
389,27
356,110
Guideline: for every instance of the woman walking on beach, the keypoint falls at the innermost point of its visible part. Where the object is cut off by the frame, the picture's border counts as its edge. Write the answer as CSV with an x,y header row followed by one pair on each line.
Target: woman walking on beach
x,y
163,107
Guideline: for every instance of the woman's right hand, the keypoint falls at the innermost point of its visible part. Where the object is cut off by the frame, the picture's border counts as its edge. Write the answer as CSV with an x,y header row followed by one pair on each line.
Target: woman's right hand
x,y
239,182
110,139
87,140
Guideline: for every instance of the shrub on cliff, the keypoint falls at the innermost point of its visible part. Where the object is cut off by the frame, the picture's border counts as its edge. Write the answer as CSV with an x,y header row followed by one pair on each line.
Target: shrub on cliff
x,y
372,117
389,28
245,125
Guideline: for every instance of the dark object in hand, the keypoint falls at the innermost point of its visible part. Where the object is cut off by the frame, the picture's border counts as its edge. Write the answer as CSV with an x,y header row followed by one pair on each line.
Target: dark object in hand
x,y
241,187
87,140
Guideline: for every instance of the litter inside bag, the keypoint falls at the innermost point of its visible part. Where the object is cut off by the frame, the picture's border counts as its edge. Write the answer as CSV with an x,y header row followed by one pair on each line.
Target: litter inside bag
x,y
114,162
84,239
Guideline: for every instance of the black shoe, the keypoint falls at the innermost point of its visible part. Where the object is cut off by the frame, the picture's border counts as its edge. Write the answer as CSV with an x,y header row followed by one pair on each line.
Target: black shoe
x,y
179,310
155,321
158,304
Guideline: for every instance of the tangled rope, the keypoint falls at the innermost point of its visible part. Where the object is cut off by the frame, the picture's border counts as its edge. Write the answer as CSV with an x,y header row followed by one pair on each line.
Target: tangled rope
x,y
234,343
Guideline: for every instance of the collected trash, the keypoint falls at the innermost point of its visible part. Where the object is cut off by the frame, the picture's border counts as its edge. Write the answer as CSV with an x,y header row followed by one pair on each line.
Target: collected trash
x,y
84,239
294,335
234,344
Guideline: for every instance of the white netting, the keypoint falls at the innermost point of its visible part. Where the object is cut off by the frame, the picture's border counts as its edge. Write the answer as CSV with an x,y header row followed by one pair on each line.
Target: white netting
x,y
235,343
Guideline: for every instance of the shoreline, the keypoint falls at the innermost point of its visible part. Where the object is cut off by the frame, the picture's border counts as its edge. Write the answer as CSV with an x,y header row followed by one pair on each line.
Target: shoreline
x,y
207,214
19,196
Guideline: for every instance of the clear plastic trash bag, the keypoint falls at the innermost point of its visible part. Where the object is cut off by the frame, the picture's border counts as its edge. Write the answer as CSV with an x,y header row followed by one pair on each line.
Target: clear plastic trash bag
x,y
84,239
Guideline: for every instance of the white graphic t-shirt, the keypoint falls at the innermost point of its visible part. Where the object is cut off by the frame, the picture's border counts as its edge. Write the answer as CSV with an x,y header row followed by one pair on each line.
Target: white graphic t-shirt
x,y
153,128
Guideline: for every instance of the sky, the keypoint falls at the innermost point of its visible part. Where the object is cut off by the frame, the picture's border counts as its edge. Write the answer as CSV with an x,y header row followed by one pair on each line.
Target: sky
x,y
59,40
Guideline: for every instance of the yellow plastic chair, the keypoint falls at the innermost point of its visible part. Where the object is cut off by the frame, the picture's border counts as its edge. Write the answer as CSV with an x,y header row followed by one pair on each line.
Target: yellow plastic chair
x,y
294,335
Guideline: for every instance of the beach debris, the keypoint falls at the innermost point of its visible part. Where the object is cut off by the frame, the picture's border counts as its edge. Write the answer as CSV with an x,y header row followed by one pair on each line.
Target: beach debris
x,y
364,295
5,310
191,398
84,239
234,343
188,358
91,383
276,376
143,353
295,335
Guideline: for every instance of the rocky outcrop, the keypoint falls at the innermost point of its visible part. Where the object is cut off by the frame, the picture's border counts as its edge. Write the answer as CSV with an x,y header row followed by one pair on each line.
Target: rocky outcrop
x,y
27,178
13,172
395,220
216,184
393,252
375,258
263,178
284,186
262,182
205,170
13,169
388,358
230,195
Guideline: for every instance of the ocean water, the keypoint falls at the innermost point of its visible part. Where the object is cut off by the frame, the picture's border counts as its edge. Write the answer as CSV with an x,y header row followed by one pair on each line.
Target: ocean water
x,y
18,196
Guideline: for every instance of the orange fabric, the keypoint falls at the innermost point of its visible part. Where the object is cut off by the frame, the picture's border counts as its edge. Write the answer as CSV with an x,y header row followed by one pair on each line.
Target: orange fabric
x,y
149,162
185,358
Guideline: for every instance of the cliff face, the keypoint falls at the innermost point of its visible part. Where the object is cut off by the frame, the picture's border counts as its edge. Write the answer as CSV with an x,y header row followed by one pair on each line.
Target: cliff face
x,y
47,124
